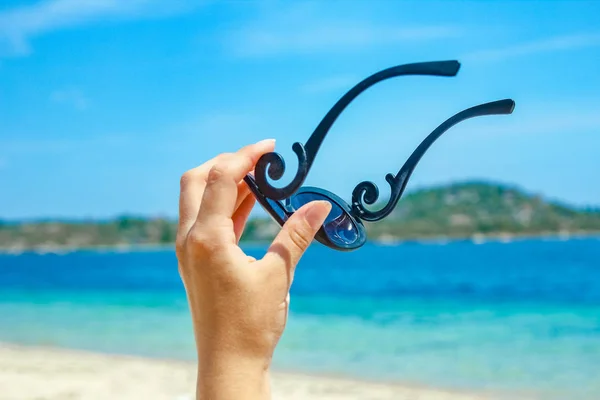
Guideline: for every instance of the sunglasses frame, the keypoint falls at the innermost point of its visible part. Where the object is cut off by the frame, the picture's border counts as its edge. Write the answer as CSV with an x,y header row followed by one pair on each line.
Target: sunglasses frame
x,y
321,235
367,192
273,164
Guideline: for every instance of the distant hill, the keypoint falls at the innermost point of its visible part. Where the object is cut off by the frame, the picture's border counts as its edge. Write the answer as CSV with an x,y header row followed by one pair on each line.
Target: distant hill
x,y
457,210
464,209
122,231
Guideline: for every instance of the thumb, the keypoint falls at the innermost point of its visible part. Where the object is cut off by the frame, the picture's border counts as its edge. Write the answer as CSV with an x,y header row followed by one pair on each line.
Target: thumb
x,y
297,234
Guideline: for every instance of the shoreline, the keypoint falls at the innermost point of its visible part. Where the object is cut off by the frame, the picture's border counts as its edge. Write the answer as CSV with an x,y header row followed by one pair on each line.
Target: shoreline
x,y
69,373
477,238
480,238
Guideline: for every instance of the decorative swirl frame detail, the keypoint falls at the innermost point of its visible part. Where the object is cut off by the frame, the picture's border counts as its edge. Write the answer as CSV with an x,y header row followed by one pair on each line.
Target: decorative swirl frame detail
x,y
367,192
273,164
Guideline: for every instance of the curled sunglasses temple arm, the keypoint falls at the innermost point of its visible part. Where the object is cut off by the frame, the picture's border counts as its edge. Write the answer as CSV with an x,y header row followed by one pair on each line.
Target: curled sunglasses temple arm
x,y
368,191
273,165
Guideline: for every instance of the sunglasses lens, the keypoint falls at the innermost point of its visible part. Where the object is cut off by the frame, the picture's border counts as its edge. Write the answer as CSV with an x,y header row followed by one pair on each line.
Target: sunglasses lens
x,y
338,226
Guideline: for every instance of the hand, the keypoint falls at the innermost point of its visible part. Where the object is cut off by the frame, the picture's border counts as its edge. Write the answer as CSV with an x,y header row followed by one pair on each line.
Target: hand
x,y
239,305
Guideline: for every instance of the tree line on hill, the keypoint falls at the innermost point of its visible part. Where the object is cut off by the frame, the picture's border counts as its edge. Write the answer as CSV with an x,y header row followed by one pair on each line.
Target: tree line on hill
x,y
456,210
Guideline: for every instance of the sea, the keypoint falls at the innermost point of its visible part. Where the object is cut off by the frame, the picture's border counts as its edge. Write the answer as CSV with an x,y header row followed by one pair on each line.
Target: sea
x,y
520,318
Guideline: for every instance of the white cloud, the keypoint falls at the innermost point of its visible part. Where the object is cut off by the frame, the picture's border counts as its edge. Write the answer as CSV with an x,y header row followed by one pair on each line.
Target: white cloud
x,y
547,45
338,82
303,29
72,97
195,135
565,119
537,120
19,25
199,132
568,123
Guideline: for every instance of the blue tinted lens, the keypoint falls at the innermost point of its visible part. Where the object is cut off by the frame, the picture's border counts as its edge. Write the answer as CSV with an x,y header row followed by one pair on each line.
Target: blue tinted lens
x,y
278,208
338,226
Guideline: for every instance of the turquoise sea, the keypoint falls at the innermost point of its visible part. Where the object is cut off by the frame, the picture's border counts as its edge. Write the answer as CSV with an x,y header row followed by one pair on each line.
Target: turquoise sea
x,y
520,317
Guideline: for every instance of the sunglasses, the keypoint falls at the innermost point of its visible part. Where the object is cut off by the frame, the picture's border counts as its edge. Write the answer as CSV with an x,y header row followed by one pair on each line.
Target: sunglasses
x,y
343,229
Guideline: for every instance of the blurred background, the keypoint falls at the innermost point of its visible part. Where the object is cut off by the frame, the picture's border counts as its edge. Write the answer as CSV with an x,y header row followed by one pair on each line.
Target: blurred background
x,y
487,275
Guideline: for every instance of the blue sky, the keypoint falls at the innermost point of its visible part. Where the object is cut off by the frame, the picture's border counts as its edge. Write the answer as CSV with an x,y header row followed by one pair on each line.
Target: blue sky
x,y
104,103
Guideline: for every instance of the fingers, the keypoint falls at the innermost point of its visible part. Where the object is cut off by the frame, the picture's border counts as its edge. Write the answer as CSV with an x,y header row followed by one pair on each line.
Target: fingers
x,y
193,183
192,186
240,217
221,192
243,192
296,235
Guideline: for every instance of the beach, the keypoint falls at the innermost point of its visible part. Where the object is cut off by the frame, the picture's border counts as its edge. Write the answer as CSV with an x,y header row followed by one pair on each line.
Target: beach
x,y
516,320
28,373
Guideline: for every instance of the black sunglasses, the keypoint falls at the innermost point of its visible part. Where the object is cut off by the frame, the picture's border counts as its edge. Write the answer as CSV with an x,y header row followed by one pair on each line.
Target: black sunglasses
x,y
343,229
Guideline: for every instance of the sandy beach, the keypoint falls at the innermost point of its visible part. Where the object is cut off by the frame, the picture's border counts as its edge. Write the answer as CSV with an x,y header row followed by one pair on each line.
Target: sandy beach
x,y
43,374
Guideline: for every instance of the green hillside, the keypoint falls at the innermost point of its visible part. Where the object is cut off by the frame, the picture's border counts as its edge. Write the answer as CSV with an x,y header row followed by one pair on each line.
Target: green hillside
x,y
457,210
468,208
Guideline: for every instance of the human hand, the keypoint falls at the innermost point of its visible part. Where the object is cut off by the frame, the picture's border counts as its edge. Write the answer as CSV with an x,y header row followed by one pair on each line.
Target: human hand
x,y
239,305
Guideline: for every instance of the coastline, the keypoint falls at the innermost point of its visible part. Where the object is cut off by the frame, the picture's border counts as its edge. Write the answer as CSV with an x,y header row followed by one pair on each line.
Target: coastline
x,y
28,372
478,238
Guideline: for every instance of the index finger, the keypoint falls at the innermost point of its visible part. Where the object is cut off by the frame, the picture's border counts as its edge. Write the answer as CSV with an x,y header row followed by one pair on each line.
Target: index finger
x,y
190,194
221,192
192,185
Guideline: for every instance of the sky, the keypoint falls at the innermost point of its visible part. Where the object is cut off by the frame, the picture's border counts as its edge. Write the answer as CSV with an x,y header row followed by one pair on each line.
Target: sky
x,y
105,103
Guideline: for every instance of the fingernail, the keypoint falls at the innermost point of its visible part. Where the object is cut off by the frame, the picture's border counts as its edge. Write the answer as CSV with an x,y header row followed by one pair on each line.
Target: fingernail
x,y
317,212
270,142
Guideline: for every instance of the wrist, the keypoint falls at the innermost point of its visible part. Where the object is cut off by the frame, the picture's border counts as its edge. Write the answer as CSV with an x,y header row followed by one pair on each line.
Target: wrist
x,y
223,376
